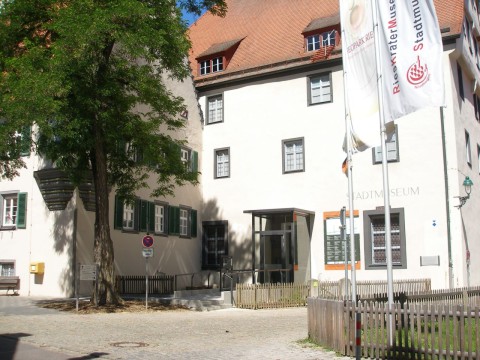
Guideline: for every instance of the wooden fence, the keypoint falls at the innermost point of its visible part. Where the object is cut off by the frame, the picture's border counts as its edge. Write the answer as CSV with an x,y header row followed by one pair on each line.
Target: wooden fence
x,y
366,289
136,284
264,296
418,331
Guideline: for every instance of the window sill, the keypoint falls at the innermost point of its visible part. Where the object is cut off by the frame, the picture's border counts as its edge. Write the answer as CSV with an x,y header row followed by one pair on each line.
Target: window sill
x,y
215,122
294,171
130,231
160,234
320,103
7,228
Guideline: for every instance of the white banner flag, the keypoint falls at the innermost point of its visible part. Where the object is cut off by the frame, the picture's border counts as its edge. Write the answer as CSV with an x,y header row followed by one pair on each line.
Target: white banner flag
x,y
411,51
360,72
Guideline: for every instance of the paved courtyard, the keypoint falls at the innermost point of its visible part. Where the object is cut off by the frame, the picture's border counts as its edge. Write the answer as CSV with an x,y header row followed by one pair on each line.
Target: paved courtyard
x,y
220,334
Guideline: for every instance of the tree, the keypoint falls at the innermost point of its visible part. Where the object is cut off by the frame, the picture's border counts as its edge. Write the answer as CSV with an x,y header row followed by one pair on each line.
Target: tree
x,y
88,75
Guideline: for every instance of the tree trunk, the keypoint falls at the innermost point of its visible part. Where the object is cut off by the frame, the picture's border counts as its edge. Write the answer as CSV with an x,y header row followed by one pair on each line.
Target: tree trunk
x,y
103,245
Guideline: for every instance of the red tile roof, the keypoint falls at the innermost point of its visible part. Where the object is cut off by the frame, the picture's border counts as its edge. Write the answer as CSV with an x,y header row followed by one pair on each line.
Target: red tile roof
x,y
272,32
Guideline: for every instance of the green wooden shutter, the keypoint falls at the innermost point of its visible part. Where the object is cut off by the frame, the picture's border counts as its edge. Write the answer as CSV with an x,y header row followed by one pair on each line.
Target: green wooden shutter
x,y
118,216
136,211
193,223
143,209
25,141
151,217
174,220
21,210
194,161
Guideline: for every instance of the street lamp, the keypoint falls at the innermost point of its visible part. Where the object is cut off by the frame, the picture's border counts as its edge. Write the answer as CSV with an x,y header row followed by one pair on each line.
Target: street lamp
x,y
467,184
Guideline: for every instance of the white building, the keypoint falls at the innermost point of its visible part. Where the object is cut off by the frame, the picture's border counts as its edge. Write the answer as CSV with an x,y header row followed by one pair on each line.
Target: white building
x,y
270,83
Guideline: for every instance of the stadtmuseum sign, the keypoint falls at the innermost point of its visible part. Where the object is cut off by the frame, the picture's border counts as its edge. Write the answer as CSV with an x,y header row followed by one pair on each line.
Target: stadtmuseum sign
x,y
378,194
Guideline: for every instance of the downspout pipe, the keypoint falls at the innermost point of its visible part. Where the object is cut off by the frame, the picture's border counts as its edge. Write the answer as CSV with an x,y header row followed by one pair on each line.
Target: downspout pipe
x,y
447,201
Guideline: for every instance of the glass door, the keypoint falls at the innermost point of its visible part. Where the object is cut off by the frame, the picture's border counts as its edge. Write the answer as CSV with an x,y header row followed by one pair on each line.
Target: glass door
x,y
276,257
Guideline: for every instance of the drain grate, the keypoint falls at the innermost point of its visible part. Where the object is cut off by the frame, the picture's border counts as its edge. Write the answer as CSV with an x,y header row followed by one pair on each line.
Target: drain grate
x,y
129,344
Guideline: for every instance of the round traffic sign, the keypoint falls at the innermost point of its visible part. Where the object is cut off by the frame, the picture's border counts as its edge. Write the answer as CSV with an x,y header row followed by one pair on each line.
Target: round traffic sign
x,y
147,241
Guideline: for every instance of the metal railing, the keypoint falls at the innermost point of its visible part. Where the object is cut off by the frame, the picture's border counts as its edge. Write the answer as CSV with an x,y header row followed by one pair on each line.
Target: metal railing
x,y
193,276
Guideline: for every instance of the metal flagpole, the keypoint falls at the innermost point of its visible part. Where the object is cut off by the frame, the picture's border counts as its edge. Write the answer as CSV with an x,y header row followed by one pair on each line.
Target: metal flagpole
x,y
348,131
386,189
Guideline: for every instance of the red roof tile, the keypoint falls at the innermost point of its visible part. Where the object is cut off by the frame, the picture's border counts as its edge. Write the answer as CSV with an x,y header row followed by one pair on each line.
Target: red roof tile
x,y
272,31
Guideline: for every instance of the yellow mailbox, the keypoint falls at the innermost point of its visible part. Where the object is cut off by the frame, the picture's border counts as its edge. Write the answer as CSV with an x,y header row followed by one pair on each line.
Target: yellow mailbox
x,y
37,268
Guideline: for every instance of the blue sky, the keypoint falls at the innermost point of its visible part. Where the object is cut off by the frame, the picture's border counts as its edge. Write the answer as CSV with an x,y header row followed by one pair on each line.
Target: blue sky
x,y
190,18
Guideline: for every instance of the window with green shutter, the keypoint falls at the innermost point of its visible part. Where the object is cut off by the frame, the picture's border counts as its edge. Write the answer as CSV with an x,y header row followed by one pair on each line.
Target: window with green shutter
x,y
13,210
126,217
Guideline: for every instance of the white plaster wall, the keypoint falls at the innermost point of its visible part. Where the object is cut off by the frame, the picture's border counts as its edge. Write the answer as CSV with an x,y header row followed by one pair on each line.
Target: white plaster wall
x,y
259,115
47,238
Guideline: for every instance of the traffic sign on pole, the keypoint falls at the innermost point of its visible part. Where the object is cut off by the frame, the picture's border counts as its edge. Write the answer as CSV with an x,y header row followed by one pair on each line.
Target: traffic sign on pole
x,y
147,241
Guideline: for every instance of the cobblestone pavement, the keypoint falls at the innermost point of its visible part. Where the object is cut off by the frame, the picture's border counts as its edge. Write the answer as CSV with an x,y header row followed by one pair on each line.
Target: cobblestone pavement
x,y
220,334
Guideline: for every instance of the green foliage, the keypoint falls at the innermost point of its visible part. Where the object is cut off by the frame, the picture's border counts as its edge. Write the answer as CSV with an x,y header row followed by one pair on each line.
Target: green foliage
x,y
90,77
80,68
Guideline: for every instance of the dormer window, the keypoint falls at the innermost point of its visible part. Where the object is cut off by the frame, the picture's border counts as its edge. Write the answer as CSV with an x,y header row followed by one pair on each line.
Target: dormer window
x,y
217,57
211,65
321,33
314,42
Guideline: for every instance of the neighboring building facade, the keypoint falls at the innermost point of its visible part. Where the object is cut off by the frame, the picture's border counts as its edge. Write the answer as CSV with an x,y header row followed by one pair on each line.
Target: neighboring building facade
x,y
48,224
270,83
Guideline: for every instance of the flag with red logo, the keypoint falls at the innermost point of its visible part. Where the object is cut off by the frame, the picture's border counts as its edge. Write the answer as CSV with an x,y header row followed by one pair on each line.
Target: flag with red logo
x,y
411,51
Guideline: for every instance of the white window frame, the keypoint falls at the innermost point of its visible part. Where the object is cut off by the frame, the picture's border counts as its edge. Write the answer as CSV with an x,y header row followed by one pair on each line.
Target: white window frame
x,y
313,42
215,109
128,217
328,38
205,67
184,223
186,157
222,163
319,89
293,149
9,210
160,217
217,64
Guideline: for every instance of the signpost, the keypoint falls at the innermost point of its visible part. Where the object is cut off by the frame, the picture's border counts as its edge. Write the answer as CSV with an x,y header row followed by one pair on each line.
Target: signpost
x,y
147,253
89,273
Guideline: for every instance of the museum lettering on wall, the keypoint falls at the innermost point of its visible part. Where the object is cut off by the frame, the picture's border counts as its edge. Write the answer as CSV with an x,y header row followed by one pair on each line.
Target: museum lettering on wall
x,y
378,194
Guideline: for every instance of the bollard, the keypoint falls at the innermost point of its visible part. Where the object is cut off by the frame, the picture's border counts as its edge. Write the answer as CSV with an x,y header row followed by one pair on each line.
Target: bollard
x,y
358,336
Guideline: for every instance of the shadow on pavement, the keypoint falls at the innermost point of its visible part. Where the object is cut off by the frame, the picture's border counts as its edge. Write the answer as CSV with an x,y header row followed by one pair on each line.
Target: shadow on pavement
x,y
8,344
94,355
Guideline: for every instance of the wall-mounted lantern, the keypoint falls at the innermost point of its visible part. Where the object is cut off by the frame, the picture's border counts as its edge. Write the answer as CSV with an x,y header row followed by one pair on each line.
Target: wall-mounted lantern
x,y
467,184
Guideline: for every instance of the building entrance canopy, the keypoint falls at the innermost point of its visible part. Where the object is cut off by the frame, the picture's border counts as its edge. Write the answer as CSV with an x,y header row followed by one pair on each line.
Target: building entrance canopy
x,y
281,245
